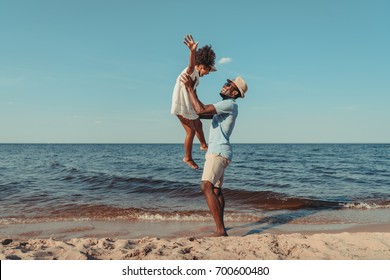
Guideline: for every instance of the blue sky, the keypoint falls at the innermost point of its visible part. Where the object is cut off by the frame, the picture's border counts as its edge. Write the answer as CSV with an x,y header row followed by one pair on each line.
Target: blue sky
x,y
103,71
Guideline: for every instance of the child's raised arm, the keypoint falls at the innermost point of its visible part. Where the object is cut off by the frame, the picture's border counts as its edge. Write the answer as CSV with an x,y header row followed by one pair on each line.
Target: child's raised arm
x,y
189,41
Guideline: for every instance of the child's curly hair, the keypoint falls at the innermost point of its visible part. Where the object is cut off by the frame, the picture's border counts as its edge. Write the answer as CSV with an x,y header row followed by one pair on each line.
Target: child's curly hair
x,y
206,56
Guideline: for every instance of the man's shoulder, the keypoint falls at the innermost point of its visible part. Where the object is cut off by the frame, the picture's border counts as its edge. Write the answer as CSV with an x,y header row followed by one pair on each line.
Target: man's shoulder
x,y
227,101
226,106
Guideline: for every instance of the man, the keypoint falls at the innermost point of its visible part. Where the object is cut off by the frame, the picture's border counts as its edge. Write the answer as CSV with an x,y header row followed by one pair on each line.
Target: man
x,y
219,153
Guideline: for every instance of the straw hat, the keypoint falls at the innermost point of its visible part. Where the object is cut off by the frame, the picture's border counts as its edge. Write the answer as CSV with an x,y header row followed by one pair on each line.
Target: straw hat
x,y
241,84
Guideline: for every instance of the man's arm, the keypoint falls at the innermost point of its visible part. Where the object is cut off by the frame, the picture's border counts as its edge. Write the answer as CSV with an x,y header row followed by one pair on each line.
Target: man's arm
x,y
206,117
200,108
189,41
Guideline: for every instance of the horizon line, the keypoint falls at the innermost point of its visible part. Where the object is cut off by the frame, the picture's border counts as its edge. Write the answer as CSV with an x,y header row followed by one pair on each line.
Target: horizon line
x,y
178,143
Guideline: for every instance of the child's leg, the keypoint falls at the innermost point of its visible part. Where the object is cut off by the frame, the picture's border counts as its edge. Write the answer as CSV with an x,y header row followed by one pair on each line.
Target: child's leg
x,y
190,134
200,135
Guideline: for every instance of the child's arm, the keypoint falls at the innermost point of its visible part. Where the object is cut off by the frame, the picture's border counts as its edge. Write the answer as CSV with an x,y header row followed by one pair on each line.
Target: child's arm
x,y
189,41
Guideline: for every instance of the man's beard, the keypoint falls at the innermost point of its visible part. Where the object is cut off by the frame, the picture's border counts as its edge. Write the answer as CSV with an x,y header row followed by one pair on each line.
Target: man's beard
x,y
224,97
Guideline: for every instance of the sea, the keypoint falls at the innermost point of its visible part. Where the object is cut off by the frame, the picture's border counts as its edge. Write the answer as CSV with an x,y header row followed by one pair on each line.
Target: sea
x,y
301,184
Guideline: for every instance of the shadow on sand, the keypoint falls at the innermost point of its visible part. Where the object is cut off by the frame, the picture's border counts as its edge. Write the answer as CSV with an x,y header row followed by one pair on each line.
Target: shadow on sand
x,y
272,221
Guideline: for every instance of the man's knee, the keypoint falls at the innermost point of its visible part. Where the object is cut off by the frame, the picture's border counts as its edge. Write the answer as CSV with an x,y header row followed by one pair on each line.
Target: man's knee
x,y
217,191
207,186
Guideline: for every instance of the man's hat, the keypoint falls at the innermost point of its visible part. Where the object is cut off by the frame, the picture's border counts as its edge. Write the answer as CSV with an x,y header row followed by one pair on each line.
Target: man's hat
x,y
241,84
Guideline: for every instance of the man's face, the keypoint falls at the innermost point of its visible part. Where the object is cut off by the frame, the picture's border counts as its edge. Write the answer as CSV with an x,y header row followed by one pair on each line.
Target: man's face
x,y
229,90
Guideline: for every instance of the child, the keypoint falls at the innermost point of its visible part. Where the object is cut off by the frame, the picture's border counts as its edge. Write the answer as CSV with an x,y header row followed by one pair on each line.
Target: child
x,y
201,64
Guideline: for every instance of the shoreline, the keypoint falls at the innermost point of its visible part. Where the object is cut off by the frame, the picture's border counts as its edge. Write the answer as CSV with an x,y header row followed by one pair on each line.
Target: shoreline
x,y
277,222
121,229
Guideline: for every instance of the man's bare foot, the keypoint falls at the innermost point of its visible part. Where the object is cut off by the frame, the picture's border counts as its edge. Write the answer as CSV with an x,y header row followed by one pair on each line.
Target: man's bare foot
x,y
191,163
219,234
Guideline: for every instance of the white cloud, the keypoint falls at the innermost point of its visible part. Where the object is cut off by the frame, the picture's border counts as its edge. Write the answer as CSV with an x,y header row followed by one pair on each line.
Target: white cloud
x,y
225,60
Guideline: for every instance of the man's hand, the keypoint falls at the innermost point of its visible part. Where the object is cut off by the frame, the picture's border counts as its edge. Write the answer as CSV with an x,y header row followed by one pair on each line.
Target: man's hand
x,y
199,107
187,81
189,41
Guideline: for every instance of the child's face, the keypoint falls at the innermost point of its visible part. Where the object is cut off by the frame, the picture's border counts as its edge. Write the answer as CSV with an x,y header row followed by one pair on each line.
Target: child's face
x,y
204,70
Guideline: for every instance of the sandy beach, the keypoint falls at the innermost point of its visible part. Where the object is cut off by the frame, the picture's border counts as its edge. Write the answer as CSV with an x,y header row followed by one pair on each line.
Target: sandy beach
x,y
324,235
268,246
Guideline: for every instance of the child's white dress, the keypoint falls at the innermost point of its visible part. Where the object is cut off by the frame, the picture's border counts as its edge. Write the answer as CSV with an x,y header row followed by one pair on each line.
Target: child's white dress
x,y
181,103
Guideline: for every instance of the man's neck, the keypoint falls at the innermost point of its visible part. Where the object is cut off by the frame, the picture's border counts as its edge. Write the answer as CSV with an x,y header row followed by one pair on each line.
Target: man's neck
x,y
224,97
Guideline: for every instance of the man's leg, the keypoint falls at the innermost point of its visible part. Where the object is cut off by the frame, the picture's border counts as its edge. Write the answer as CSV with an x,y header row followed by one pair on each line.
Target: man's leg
x,y
221,199
215,206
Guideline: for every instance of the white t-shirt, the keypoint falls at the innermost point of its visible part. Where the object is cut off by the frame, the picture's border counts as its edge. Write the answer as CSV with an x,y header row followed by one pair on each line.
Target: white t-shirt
x,y
181,103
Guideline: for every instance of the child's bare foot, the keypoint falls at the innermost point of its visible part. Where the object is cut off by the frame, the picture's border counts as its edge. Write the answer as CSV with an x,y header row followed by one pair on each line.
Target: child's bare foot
x,y
191,163
203,147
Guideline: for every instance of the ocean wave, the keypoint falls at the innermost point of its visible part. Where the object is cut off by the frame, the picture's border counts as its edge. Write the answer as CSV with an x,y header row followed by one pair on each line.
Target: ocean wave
x,y
366,205
268,200
109,213
113,181
288,206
